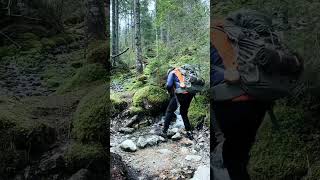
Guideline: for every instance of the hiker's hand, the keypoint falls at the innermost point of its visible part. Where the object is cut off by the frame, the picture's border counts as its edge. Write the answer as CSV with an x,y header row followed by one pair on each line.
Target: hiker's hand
x,y
232,76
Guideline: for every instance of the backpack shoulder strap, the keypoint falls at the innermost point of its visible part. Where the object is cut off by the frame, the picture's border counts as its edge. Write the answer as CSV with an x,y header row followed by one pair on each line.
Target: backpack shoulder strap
x,y
222,43
228,53
178,73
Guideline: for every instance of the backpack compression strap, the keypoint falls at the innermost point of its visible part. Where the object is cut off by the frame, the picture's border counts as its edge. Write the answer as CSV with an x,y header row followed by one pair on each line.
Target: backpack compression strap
x,y
225,49
180,77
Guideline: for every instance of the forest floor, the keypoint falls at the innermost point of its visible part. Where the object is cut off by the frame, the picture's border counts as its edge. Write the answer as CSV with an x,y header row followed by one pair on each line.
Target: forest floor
x,y
27,94
155,157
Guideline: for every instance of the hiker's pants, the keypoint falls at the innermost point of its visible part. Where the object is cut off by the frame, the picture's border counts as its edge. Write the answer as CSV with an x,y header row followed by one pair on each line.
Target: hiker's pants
x,y
184,101
239,122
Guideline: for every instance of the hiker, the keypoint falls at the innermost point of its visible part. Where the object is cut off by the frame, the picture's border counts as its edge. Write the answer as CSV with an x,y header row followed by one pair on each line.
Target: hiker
x,y
180,94
239,102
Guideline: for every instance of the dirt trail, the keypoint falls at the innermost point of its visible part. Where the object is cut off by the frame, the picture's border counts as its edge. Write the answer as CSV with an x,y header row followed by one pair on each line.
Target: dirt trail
x,y
170,159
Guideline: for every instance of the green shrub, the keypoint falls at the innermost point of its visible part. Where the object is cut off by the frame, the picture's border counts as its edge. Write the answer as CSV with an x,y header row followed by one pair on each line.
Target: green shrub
x,y
199,109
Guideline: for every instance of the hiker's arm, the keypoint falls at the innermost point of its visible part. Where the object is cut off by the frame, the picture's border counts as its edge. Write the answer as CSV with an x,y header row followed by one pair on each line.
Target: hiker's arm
x,y
170,81
217,74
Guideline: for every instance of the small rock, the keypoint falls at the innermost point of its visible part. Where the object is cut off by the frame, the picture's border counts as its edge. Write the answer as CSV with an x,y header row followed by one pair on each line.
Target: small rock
x,y
176,137
202,173
128,145
172,131
184,150
141,142
186,142
52,164
82,174
153,140
126,130
164,151
193,158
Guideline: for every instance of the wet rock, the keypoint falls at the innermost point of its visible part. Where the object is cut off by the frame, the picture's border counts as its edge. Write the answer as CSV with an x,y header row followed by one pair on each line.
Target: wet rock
x,y
176,137
186,142
202,173
172,132
194,158
164,151
126,130
128,145
142,142
53,164
82,174
154,140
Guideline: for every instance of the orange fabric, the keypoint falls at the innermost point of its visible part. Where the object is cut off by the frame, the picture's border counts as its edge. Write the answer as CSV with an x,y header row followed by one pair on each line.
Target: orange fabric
x,y
222,43
181,78
242,98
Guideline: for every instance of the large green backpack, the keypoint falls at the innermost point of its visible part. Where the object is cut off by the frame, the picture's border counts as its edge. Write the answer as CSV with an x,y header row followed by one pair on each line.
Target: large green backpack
x,y
190,79
267,69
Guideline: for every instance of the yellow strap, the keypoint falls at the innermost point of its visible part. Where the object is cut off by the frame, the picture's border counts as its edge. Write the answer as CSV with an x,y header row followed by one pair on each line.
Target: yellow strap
x,y
180,77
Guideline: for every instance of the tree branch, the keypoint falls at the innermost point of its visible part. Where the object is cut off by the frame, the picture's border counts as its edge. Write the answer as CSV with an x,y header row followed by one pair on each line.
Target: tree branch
x,y
120,53
16,44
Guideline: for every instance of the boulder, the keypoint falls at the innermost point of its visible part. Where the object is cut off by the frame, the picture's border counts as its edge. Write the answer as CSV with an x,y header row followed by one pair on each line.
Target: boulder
x,y
126,130
128,145
142,142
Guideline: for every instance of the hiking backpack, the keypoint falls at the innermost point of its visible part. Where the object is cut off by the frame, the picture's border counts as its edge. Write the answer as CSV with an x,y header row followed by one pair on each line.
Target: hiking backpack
x,y
253,55
189,79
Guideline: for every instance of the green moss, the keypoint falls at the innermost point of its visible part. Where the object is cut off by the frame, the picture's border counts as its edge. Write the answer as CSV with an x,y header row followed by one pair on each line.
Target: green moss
x,y
81,155
33,46
84,76
28,36
48,43
152,99
98,52
199,109
280,154
118,104
10,50
136,110
91,117
20,136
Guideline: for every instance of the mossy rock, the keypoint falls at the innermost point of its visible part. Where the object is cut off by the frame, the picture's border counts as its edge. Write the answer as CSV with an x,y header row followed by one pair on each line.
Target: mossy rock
x,y
33,46
198,110
280,154
98,52
48,43
152,99
62,39
10,50
28,36
21,137
84,76
90,156
118,104
91,118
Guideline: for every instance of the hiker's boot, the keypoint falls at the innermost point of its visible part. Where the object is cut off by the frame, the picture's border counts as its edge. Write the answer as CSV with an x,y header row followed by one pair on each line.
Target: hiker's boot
x,y
190,135
163,134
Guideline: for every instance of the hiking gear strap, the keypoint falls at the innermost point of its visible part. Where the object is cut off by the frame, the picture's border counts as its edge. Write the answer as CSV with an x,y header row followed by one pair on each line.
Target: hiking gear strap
x,y
227,52
180,77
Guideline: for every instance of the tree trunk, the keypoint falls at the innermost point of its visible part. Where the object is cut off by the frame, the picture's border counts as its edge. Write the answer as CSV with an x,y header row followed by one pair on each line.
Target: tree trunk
x,y
96,20
139,66
115,31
